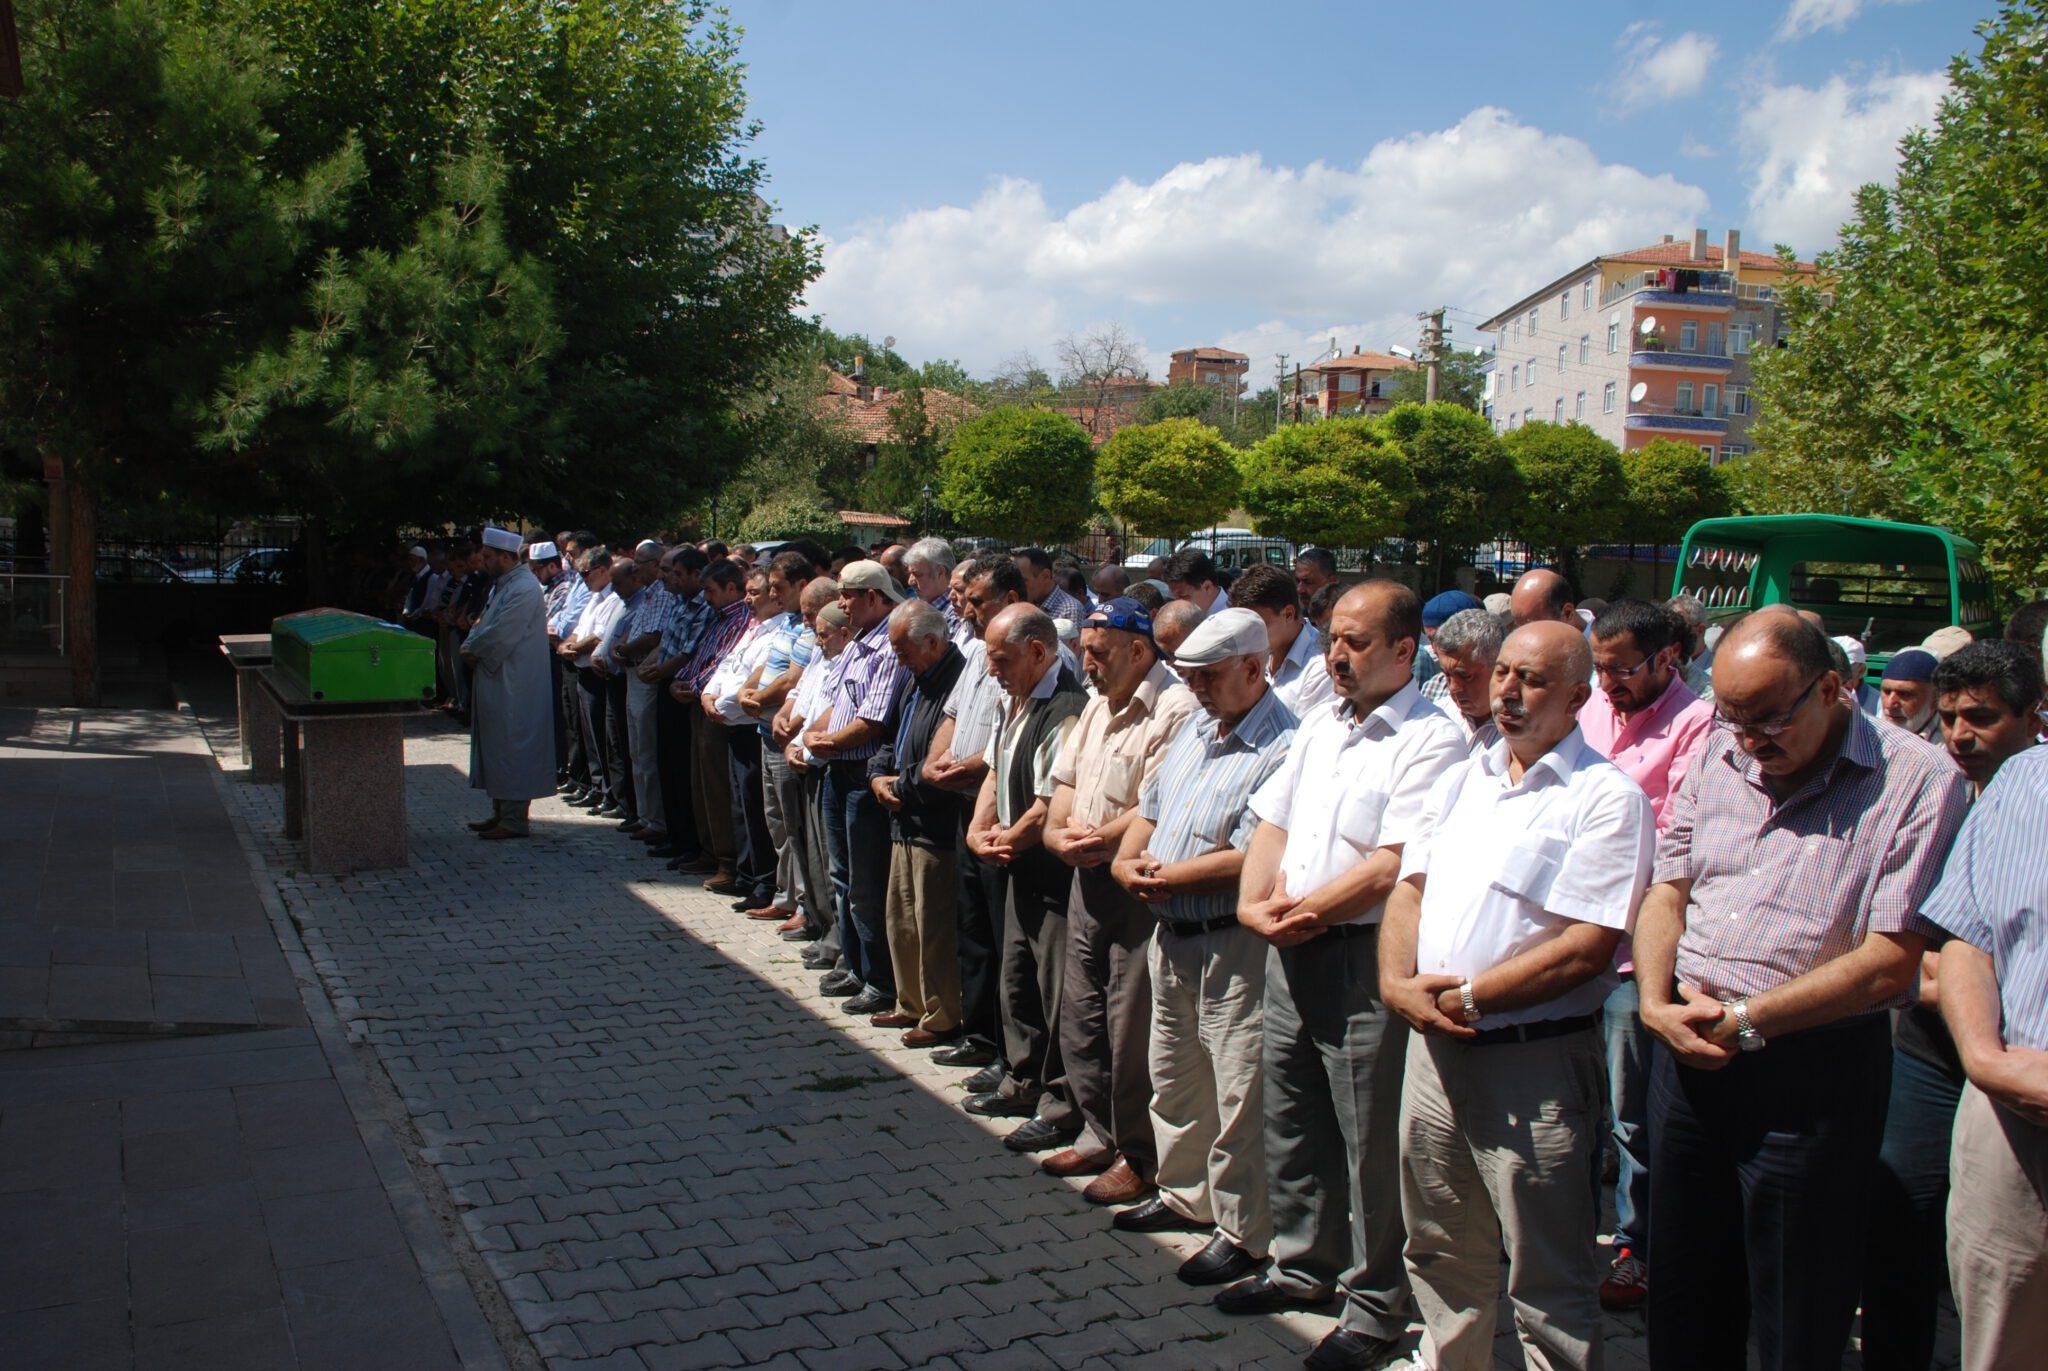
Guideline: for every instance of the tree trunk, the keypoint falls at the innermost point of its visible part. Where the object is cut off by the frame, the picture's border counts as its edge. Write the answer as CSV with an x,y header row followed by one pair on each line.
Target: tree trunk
x,y
74,526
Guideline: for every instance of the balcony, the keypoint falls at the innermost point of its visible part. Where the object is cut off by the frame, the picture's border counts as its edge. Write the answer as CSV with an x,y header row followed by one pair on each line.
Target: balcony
x,y
1710,290
1650,417
1659,359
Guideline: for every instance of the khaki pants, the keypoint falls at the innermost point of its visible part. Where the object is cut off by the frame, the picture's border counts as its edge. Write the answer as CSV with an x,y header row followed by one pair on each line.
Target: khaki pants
x,y
924,931
1998,1235
1497,1150
1208,1096
1105,1019
711,803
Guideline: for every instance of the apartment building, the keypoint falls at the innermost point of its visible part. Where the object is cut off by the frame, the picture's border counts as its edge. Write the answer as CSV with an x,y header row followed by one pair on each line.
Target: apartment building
x,y
1218,367
1358,382
1651,343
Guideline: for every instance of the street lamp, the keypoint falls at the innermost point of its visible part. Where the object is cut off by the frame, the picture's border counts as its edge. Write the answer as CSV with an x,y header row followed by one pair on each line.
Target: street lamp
x,y
924,513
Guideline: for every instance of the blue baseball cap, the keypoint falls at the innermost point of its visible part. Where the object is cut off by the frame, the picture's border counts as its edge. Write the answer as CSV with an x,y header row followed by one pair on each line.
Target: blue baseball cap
x,y
1124,614
1441,607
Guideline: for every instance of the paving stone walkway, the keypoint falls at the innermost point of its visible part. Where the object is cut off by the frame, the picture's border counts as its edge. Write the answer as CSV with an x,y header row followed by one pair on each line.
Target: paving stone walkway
x,y
673,1153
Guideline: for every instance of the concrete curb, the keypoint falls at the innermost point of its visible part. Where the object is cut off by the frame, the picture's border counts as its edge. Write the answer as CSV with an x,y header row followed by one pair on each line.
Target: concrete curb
x,y
475,1344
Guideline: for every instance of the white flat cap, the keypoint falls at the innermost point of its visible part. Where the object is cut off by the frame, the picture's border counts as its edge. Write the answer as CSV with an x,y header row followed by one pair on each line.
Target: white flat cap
x,y
1944,641
541,552
1225,634
502,539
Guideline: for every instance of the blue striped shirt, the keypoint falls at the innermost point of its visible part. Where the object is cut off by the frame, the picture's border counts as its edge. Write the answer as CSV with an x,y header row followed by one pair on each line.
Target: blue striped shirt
x,y
572,606
650,611
686,621
1993,893
867,688
790,644
1199,800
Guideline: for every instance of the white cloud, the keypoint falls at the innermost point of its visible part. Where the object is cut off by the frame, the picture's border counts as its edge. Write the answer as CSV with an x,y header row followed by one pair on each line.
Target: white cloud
x,y
1811,149
1690,146
1468,215
1803,17
1654,71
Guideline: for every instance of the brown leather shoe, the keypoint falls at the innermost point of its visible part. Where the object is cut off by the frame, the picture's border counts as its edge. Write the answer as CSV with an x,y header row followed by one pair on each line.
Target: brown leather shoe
x,y
767,912
895,1018
923,1037
1072,1161
790,924
724,883
1118,1185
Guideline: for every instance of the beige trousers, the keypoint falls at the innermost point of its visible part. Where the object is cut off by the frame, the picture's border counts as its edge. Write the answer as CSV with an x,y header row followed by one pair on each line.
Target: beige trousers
x,y
923,930
1998,1235
1208,1100
1497,1150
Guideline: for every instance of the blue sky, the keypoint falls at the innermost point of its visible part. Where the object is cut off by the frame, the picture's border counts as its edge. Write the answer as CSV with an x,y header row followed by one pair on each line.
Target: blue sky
x,y
989,177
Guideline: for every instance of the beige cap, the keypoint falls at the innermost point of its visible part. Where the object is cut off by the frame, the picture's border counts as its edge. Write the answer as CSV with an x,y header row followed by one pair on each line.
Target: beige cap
x,y
873,576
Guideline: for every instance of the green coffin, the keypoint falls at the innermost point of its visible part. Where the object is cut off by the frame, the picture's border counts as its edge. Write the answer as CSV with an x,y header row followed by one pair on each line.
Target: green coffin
x,y
341,658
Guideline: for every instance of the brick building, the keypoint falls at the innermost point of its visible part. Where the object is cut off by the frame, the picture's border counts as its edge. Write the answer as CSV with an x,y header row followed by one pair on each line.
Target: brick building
x,y
1209,367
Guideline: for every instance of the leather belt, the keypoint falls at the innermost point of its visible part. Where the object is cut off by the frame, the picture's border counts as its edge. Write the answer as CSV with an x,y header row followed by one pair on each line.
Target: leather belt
x,y
1532,1032
1175,928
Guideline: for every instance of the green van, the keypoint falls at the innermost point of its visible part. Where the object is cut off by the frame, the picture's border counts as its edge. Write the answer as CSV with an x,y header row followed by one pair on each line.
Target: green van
x,y
1888,584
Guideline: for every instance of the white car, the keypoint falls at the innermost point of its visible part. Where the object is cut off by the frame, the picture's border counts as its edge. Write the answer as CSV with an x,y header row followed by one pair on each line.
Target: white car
x,y
258,566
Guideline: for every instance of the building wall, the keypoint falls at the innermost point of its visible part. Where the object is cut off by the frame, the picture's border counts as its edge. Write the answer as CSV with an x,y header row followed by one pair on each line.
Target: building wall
x,y
1530,384
1223,372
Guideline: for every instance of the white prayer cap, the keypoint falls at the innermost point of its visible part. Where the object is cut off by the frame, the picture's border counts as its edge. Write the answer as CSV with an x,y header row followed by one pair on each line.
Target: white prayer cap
x,y
1944,641
1498,602
1228,633
541,552
1853,649
502,540
419,552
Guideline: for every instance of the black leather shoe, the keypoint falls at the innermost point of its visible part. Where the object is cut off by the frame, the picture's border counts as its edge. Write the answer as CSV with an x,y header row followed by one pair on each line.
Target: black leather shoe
x,y
818,959
797,935
1154,1216
608,810
840,984
996,1105
1220,1263
633,824
1343,1349
871,1000
1260,1296
583,799
989,1078
564,787
966,1052
1036,1135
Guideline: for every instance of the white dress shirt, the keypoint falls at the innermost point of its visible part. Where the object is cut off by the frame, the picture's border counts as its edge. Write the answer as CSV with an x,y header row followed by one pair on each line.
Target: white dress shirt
x,y
1303,680
1350,786
749,652
597,619
1508,865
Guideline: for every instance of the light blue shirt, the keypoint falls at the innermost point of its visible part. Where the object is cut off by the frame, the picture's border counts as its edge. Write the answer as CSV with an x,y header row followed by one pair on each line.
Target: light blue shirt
x,y
1199,800
1993,892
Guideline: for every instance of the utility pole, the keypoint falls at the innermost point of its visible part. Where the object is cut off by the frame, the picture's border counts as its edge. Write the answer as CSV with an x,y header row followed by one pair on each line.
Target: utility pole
x,y
1432,351
1280,391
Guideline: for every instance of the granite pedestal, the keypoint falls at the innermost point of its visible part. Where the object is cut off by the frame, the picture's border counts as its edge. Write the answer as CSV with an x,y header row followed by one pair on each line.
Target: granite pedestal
x,y
344,778
256,718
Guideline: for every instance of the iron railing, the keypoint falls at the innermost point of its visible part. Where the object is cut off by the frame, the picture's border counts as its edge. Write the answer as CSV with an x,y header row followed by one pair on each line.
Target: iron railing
x,y
32,611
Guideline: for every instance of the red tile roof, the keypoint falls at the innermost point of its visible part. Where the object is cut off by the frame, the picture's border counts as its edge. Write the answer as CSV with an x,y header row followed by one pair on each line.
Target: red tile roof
x,y
1679,254
867,420
1363,361
862,519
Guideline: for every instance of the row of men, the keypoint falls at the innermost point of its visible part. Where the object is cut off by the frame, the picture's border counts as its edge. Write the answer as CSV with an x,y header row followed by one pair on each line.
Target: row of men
x,y
1288,954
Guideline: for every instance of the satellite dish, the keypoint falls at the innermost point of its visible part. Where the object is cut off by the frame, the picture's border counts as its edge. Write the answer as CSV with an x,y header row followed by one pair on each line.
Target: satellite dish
x,y
890,341
1637,391
1648,326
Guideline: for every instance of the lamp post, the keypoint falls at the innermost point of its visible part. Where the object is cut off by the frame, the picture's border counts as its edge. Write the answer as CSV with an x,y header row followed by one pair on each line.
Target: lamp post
x,y
924,513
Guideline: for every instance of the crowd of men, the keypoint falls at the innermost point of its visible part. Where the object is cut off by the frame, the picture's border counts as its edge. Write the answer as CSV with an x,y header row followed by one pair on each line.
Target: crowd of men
x,y
1350,929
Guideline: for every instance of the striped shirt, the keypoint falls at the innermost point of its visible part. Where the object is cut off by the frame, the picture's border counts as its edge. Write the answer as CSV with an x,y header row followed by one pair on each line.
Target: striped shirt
x,y
813,694
618,631
720,633
974,704
564,616
1199,799
651,611
866,688
554,597
1780,887
686,621
1994,893
790,643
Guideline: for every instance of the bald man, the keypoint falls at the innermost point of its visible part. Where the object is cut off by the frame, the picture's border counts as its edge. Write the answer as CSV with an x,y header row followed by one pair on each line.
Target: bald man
x,y
1498,949
1783,923
1543,596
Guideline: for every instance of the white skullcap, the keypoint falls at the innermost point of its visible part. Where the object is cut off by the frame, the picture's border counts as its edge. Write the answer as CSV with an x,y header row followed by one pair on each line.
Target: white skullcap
x,y
502,540
1228,633
1858,658
1069,631
1500,602
541,552
419,552
1944,641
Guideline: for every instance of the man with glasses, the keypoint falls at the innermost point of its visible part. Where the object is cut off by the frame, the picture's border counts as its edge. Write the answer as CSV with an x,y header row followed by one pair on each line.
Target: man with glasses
x,y
1647,721
1784,921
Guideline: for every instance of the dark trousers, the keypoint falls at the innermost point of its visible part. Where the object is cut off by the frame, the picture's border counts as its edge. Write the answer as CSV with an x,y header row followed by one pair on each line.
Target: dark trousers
x,y
569,719
562,734
754,860
1033,974
857,837
820,909
672,756
1760,1178
618,747
1105,1018
1905,1262
984,892
591,700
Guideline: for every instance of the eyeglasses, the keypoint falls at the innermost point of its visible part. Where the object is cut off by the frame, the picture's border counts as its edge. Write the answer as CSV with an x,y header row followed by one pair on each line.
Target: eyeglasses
x,y
1767,728
1623,673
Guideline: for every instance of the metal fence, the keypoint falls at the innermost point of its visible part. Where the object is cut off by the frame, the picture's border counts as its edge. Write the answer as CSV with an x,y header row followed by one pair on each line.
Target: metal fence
x,y
32,612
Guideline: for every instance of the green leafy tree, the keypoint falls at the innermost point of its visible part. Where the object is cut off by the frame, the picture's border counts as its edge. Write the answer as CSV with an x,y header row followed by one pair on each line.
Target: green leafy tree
x,y
1458,381
1338,483
1762,483
1465,481
1671,487
909,460
1025,474
792,514
1920,354
1181,400
1167,478
1572,489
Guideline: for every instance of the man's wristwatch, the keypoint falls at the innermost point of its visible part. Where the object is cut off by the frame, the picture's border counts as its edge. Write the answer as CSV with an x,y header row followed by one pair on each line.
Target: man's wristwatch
x,y
1466,1002
1746,1036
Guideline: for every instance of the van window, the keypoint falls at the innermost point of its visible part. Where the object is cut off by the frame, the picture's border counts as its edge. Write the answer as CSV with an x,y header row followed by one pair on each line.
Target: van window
x,y
1889,607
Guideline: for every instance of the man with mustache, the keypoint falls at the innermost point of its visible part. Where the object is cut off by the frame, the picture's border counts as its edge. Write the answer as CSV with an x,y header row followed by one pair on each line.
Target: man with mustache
x,y
1906,694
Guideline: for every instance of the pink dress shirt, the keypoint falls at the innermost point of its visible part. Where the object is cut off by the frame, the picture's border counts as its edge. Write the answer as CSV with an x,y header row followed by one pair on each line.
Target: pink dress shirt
x,y
1655,747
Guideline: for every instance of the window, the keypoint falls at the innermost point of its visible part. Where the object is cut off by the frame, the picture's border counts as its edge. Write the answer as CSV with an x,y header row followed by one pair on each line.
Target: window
x,y
1607,398
1347,382
1708,448
1557,410
1729,450
1514,378
1530,371
1585,348
1613,335
1710,398
1714,341
1560,361
1564,305
1738,399
1518,330
1689,336
1529,416
1586,294
1684,405
1741,338
1579,406
1532,323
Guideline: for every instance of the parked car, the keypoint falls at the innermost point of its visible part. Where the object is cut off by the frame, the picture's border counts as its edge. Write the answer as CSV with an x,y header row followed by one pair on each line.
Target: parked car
x,y
1234,549
259,566
135,568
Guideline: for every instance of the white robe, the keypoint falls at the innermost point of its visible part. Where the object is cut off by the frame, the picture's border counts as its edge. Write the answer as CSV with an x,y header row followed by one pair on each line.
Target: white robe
x,y
512,726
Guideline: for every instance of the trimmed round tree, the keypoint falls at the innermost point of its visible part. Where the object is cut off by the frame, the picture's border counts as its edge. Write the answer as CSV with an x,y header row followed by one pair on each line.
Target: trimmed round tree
x,y
1338,483
1022,474
1671,487
1573,489
1167,479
